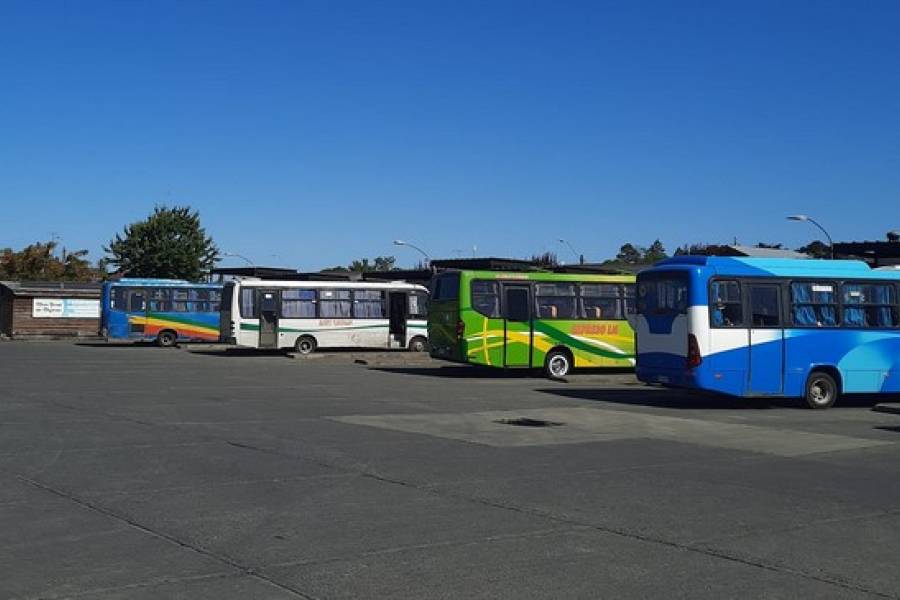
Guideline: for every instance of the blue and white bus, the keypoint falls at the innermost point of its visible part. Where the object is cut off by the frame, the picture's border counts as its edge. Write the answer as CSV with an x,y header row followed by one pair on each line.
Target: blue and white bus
x,y
166,311
812,329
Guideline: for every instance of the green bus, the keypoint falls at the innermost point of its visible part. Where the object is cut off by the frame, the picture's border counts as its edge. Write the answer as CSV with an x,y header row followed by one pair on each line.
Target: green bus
x,y
540,319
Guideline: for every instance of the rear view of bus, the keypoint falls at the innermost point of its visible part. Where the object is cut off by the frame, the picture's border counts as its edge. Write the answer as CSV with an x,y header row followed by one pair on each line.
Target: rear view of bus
x,y
445,325
668,351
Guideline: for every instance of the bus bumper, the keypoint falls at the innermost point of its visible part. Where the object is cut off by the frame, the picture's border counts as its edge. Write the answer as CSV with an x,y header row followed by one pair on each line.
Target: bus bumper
x,y
673,378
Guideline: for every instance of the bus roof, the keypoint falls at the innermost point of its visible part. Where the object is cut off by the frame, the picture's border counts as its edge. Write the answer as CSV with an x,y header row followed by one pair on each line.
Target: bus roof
x,y
544,275
294,283
159,282
775,267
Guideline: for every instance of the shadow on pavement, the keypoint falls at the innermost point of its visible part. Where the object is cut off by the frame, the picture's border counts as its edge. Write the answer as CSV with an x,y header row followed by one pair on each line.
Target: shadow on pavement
x,y
686,400
240,352
460,372
136,344
675,399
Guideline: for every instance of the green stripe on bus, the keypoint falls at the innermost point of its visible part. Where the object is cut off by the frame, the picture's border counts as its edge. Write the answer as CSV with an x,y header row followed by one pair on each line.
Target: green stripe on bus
x,y
573,342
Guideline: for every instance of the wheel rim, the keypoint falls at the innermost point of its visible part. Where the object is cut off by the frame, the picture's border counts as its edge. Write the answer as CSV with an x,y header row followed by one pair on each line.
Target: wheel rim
x,y
305,347
820,391
559,365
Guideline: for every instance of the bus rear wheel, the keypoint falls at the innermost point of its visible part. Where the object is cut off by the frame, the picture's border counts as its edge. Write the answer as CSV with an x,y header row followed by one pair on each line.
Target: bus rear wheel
x,y
558,364
418,344
821,390
166,339
305,345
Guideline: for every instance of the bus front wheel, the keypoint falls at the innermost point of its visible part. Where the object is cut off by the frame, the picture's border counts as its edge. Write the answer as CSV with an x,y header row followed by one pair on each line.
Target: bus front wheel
x,y
821,390
558,364
166,339
305,345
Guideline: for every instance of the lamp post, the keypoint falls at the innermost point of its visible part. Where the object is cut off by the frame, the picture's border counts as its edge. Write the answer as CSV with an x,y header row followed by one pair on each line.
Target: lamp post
x,y
578,257
814,222
236,255
413,246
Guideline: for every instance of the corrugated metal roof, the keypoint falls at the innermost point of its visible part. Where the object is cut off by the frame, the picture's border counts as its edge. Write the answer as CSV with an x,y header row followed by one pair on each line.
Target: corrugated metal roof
x,y
756,252
55,288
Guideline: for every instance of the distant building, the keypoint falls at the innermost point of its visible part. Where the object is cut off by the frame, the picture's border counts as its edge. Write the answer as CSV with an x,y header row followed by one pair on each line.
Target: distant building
x,y
49,308
757,252
737,250
877,253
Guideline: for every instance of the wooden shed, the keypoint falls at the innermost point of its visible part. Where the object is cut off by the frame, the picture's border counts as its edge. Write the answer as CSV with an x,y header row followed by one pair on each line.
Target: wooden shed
x,y
49,308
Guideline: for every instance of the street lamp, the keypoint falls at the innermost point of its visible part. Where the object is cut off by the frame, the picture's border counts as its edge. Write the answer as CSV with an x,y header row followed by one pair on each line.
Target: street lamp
x,y
579,257
814,222
236,255
413,246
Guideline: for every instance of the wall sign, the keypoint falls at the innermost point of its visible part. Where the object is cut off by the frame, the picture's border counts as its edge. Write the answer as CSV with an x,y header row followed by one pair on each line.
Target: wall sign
x,y
65,308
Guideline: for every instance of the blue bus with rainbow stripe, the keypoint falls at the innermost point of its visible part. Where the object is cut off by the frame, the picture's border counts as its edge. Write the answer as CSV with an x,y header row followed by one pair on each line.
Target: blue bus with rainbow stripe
x,y
811,329
165,311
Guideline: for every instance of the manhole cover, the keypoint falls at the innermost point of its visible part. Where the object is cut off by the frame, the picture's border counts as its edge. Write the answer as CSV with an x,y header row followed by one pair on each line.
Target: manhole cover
x,y
526,422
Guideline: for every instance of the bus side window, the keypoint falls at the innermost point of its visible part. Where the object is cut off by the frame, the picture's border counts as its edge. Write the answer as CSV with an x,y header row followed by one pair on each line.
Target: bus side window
x,y
418,305
725,304
248,303
159,300
557,301
601,301
814,304
764,306
486,298
119,298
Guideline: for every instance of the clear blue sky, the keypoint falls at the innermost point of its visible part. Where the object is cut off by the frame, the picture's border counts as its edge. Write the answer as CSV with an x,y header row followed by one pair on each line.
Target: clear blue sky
x,y
311,133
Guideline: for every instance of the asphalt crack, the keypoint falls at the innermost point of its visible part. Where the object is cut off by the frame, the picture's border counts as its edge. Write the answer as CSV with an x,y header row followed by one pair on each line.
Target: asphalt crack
x,y
240,568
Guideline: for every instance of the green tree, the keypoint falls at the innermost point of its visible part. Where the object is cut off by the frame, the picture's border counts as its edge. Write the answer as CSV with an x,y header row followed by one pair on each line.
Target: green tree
x,y
170,243
629,254
704,250
547,259
379,264
655,253
816,249
39,261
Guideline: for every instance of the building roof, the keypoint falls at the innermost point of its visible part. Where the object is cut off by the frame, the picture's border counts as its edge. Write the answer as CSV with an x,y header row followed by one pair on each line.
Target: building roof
x,y
756,252
489,263
876,253
53,288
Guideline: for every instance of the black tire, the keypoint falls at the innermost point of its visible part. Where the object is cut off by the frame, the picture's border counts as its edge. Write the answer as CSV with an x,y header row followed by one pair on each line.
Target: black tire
x,y
822,391
305,344
418,344
558,364
166,339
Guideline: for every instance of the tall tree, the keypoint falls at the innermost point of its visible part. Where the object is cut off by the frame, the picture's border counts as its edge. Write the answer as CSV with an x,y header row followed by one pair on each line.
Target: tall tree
x,y
655,253
547,259
39,261
170,243
816,249
380,264
629,254
704,250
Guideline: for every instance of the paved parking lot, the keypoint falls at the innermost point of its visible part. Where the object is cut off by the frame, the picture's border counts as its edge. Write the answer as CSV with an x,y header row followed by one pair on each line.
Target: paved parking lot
x,y
136,472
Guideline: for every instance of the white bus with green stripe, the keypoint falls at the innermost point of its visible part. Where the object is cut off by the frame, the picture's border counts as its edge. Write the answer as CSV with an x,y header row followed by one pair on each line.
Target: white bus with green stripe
x,y
306,315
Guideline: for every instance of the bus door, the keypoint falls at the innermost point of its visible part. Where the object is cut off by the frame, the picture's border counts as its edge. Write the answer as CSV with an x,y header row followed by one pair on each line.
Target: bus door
x,y
137,306
268,318
398,312
766,355
518,333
